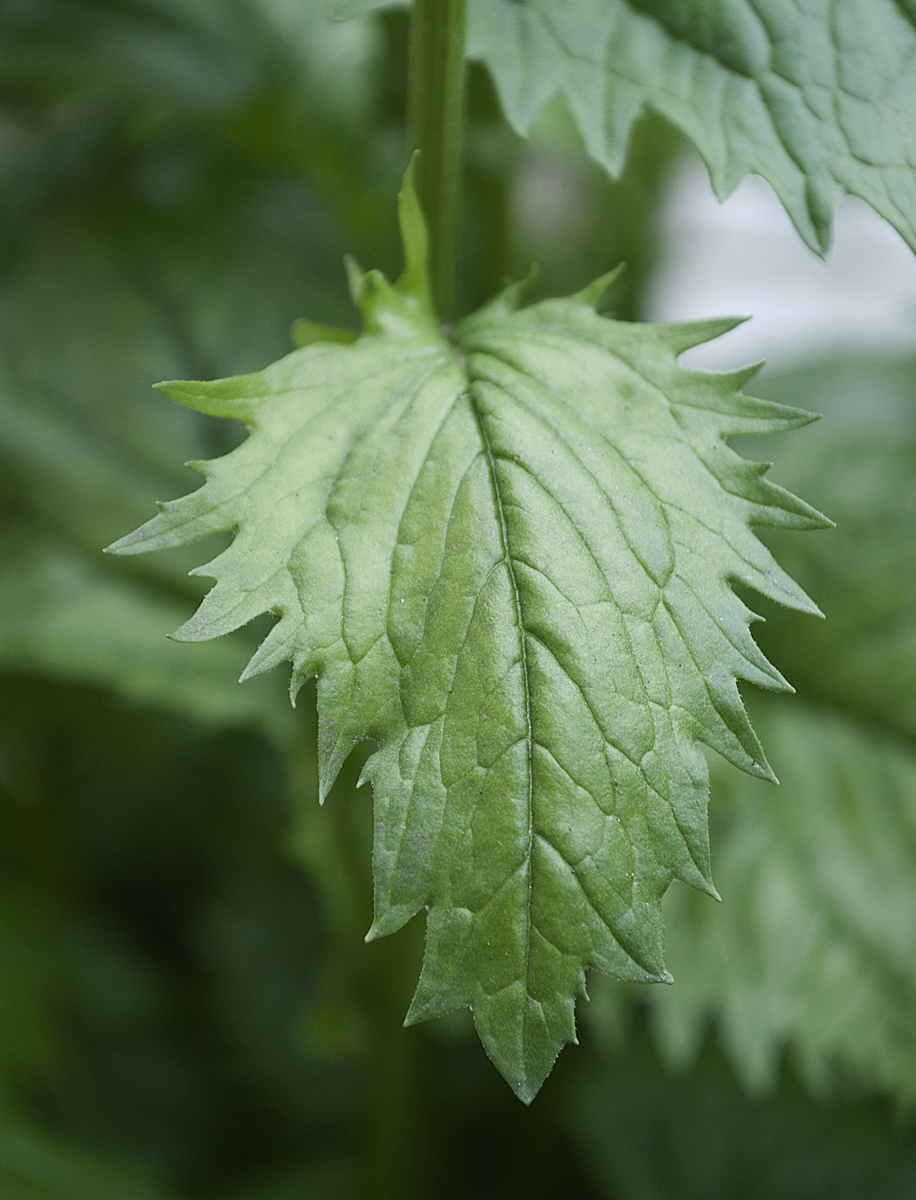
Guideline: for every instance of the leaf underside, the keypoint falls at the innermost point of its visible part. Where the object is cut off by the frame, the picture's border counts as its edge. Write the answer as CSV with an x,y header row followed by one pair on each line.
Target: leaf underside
x,y
818,98
509,560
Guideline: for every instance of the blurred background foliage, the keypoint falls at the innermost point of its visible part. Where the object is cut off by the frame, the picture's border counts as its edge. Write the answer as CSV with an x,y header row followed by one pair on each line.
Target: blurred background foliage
x,y
187,1008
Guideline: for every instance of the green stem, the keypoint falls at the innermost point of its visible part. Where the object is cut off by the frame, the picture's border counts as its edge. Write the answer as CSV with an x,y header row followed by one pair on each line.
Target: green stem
x,y
436,124
370,984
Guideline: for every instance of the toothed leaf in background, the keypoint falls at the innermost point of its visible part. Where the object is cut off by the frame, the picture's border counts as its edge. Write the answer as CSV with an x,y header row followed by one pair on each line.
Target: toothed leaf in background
x,y
819,99
815,948
810,956
860,466
69,619
508,561
646,1132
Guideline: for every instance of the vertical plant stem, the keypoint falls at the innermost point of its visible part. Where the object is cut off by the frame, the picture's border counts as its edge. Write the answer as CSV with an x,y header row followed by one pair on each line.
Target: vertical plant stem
x,y
436,127
369,985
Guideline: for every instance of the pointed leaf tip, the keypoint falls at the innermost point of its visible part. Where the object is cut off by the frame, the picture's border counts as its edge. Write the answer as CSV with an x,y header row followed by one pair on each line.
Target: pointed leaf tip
x,y
684,335
355,277
593,293
414,281
509,300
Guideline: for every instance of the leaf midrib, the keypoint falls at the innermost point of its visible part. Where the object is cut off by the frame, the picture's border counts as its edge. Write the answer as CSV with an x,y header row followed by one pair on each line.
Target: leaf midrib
x,y
523,650
523,638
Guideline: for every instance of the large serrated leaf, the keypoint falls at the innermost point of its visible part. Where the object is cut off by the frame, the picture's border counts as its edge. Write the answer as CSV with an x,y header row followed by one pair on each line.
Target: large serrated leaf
x,y
508,557
819,98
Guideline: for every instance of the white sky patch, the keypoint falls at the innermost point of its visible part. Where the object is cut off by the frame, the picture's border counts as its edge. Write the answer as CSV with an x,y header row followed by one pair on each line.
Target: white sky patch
x,y
744,258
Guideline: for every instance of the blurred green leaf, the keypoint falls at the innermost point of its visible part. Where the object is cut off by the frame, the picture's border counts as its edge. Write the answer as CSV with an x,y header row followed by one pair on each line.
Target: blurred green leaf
x,y
65,618
165,256
814,946
205,56
646,1135
860,462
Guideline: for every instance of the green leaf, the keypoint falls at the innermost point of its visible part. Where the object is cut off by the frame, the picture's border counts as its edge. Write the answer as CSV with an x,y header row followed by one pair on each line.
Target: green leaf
x,y
816,945
819,99
860,465
811,950
199,58
508,559
644,1132
69,618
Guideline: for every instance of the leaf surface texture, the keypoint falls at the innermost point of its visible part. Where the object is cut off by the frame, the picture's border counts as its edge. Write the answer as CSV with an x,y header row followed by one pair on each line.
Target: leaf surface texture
x,y
508,558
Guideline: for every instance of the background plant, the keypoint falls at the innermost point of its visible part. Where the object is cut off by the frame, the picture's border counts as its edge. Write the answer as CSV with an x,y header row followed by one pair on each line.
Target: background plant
x,y
188,1006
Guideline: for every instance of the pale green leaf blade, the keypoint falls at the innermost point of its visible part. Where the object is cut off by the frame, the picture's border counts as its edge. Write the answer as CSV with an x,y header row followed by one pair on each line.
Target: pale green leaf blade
x,y
63,616
509,560
818,98
815,948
